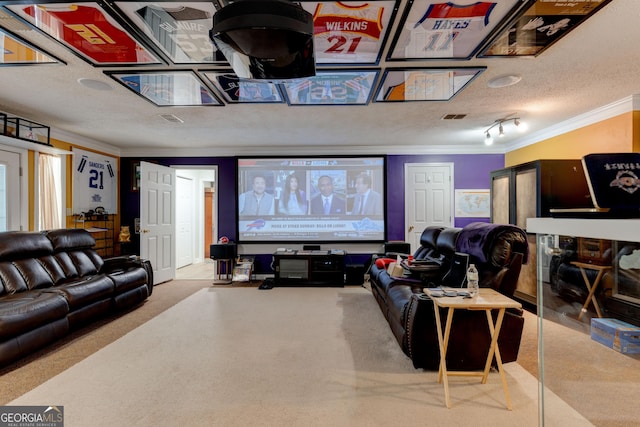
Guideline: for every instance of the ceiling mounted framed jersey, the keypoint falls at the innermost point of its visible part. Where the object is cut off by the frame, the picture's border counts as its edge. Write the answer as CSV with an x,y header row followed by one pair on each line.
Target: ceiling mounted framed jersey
x,y
447,30
180,30
88,30
350,32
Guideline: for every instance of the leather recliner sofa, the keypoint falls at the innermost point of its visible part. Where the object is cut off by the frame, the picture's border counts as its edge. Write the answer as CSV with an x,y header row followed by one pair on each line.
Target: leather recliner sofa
x,y
498,251
53,282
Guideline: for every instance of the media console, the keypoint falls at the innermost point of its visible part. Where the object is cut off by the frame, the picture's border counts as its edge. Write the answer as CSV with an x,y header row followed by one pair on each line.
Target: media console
x,y
309,268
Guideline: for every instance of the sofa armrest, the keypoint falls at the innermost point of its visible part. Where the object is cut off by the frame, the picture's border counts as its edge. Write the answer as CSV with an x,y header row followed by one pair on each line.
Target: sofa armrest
x,y
122,263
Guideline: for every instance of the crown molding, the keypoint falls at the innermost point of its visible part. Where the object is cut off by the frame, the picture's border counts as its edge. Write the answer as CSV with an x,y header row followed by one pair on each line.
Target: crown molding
x,y
622,106
84,142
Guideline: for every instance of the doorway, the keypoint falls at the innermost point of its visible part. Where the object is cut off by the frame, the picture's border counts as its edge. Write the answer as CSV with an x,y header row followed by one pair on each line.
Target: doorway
x,y
428,198
196,221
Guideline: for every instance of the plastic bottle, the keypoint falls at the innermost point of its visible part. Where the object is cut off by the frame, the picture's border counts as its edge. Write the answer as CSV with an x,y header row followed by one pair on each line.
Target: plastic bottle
x,y
472,280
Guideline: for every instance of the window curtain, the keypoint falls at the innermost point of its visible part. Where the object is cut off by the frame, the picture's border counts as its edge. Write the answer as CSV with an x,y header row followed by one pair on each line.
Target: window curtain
x,y
49,208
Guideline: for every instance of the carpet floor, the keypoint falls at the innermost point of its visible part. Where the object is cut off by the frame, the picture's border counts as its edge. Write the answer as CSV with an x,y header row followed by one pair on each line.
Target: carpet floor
x,y
281,357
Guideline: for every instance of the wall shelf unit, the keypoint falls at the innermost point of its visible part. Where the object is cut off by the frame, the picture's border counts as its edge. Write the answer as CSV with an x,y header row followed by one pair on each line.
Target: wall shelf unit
x,y
101,228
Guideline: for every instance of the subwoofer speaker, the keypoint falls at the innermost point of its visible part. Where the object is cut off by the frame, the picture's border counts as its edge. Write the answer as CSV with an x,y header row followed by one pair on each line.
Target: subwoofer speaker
x,y
355,275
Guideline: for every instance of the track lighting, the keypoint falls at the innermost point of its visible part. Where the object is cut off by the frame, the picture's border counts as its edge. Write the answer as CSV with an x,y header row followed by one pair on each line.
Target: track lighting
x,y
488,139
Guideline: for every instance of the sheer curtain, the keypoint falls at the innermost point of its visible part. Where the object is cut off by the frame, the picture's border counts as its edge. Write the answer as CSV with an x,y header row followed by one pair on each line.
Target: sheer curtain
x,y
49,192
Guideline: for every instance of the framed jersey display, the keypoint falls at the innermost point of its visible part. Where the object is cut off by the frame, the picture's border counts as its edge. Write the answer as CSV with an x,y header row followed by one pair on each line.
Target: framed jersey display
x,y
94,182
236,90
350,32
442,29
167,88
424,84
339,87
16,51
88,30
539,25
179,30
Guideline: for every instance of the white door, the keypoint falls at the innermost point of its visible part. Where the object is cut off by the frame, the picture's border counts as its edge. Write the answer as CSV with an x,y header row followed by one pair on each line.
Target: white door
x,y
157,219
9,191
185,217
428,198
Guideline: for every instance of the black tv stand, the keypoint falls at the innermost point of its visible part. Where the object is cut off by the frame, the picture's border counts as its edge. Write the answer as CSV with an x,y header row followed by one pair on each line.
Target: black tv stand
x,y
309,268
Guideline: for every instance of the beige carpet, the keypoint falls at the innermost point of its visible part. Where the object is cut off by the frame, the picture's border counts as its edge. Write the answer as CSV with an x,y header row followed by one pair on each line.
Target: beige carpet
x,y
281,357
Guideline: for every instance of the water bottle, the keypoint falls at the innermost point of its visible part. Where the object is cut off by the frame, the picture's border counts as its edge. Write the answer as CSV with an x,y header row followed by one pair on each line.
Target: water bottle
x,y
472,280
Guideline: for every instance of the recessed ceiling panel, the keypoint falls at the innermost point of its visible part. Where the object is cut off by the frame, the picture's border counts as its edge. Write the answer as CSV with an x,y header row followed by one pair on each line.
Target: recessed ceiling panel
x,y
180,30
16,51
424,84
236,90
88,30
350,32
339,87
168,88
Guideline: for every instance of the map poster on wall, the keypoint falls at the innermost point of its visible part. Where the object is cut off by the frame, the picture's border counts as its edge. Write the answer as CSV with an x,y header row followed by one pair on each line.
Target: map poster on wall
x,y
94,182
472,203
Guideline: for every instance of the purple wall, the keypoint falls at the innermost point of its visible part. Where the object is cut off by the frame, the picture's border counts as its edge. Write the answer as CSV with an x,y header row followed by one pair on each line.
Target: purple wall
x,y
471,171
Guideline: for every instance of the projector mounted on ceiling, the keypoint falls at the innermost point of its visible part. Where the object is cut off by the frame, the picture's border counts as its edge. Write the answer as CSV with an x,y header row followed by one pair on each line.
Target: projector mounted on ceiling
x,y
265,39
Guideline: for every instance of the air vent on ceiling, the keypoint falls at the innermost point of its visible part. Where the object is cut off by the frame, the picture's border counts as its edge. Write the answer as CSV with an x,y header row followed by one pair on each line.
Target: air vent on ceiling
x,y
171,118
453,116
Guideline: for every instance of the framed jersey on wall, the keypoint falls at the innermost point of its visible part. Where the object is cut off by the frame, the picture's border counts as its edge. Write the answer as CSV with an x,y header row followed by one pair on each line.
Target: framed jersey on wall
x,y
94,182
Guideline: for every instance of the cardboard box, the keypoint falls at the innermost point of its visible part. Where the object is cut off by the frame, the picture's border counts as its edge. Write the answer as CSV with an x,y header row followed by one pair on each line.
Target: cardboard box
x,y
616,334
395,270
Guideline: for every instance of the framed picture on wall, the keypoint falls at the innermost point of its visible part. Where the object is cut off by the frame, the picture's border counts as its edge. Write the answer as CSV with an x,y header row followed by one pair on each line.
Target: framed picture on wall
x,y
135,176
95,179
473,203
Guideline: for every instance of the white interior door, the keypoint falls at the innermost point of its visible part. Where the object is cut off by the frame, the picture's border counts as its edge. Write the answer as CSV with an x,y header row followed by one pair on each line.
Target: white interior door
x,y
185,218
157,219
428,198
9,191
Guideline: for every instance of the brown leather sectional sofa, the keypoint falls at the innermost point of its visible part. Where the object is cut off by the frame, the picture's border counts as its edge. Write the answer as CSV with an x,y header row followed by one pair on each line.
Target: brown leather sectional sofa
x,y
53,282
498,251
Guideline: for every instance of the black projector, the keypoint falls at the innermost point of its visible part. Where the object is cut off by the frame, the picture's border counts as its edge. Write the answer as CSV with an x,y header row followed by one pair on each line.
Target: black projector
x,y
265,39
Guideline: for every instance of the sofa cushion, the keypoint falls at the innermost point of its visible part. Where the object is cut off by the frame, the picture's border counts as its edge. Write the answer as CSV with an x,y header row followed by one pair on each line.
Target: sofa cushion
x,y
34,274
125,280
85,291
53,268
11,279
23,244
70,238
84,263
20,313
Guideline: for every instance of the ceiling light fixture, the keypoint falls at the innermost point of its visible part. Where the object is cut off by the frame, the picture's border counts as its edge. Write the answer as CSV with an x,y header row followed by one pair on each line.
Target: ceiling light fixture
x,y
504,81
488,139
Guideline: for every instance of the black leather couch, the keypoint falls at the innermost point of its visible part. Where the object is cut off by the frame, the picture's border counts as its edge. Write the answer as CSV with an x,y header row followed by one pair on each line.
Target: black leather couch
x,y
53,282
498,251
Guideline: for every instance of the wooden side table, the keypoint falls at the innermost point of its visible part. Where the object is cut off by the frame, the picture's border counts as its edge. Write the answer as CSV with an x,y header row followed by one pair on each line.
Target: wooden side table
x,y
591,287
487,300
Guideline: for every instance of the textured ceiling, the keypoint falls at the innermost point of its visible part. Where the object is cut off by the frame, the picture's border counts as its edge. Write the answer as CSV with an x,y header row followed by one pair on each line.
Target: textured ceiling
x,y
596,64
